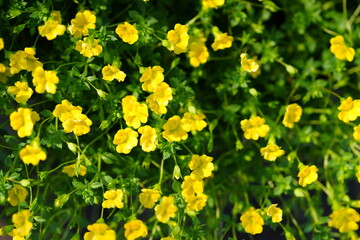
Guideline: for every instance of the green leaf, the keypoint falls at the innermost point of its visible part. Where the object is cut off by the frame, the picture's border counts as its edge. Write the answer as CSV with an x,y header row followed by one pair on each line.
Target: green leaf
x,y
78,185
96,185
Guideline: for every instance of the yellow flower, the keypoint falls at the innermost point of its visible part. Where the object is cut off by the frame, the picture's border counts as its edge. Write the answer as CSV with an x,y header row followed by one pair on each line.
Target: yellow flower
x,y
110,73
344,219
23,121
64,107
173,130
51,29
292,115
252,221
254,128
1,43
70,170
21,223
168,238
178,38
196,203
81,24
358,174
114,199
248,65
127,32
165,209
271,152
275,213
99,231
21,90
126,139
340,50
135,113
148,197
222,41
44,80
307,175
190,187
349,109
148,139
135,229
89,47
17,195
151,77
356,133
201,166
32,154
4,73
213,3
193,122
76,122
198,51
160,98
24,60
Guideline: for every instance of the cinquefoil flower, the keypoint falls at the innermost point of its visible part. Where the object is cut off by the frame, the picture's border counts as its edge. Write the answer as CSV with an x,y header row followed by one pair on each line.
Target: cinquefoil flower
x,y
151,78
173,131
127,32
81,24
135,113
89,47
126,139
201,166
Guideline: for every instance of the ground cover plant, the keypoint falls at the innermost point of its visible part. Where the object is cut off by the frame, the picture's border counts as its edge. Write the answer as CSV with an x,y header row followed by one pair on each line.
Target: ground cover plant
x,y
164,119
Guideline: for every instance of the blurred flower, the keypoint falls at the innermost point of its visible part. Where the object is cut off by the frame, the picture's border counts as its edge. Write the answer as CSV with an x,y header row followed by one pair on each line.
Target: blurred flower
x,y
344,219
148,139
173,131
135,113
81,24
151,78
1,43
32,154
292,115
135,229
22,224
178,38
349,109
23,121
213,3
358,174
307,175
52,27
222,41
44,80
165,209
4,73
167,238
127,32
110,73
275,213
190,187
254,128
340,50
21,90
126,139
113,199
252,221
356,133
198,51
70,170
24,60
193,122
196,203
248,65
99,231
148,197
271,152
17,195
201,166
89,47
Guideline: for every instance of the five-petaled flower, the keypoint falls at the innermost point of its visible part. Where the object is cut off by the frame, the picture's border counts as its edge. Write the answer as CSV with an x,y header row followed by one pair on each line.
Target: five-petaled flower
x,y
201,166
254,128
113,199
81,24
125,139
127,32
252,221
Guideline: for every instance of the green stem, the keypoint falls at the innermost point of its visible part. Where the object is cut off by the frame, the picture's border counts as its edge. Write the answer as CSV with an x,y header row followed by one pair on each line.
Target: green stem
x,y
161,173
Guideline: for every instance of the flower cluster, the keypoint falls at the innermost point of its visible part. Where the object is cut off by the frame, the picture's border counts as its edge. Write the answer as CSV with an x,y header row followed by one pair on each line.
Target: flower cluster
x,y
72,118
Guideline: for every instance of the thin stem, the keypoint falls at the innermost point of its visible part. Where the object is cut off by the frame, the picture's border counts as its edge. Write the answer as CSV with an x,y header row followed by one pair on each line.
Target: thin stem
x,y
353,17
161,173
331,92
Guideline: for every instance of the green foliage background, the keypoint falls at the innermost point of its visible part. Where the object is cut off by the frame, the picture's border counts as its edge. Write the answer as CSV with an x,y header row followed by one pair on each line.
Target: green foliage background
x,y
291,42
